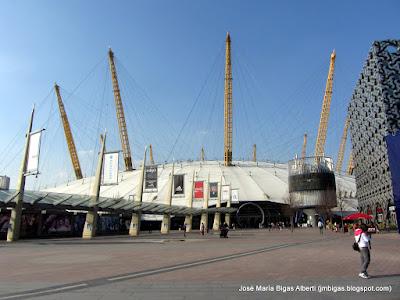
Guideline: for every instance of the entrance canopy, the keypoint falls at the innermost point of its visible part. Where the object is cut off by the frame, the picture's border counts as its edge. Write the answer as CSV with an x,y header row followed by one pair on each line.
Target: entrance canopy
x,y
50,200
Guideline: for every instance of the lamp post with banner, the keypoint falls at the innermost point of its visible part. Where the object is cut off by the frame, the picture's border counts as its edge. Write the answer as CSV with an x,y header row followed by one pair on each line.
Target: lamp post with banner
x,y
29,166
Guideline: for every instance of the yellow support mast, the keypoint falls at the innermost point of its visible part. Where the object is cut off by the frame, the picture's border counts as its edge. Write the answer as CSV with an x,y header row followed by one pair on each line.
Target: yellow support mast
x,y
228,104
68,135
342,147
350,165
304,148
151,155
123,133
254,153
326,104
202,155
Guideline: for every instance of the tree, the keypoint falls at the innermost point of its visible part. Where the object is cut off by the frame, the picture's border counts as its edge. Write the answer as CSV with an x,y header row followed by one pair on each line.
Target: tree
x,y
288,209
341,194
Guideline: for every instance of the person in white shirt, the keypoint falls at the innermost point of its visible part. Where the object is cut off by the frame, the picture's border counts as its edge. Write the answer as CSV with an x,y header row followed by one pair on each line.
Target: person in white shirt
x,y
321,227
364,243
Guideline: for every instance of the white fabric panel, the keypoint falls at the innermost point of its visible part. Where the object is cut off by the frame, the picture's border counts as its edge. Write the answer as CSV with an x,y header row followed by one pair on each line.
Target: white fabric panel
x,y
110,168
34,153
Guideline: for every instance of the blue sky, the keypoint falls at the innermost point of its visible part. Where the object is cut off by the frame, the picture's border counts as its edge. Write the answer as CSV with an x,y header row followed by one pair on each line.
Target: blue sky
x,y
280,55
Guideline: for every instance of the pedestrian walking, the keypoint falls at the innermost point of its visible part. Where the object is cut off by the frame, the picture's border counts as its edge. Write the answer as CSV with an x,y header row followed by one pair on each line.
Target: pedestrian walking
x,y
184,230
202,229
363,239
321,227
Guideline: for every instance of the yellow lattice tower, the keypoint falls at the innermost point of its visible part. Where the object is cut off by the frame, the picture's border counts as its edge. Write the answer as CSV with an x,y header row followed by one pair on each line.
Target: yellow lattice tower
x,y
68,135
350,165
202,155
123,133
228,104
342,147
304,148
151,155
326,104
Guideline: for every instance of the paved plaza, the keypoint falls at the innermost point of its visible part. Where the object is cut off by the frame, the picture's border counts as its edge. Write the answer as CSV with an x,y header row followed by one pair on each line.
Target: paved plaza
x,y
267,265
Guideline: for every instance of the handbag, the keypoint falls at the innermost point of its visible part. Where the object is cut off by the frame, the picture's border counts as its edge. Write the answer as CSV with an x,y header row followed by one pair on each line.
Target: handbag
x,y
355,244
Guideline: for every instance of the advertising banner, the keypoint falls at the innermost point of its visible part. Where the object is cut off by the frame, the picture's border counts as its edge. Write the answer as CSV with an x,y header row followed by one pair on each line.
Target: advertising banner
x,y
199,189
213,189
393,147
235,196
34,153
179,185
150,177
225,193
110,168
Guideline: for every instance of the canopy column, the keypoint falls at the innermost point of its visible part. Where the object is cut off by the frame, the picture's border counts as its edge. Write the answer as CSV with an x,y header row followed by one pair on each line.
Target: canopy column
x,y
204,215
134,228
189,217
89,230
217,216
228,204
166,222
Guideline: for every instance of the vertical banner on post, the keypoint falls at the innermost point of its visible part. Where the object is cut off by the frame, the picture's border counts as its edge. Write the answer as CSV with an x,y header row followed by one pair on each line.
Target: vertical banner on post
x,y
32,167
213,189
225,193
199,189
179,185
110,168
150,178
235,196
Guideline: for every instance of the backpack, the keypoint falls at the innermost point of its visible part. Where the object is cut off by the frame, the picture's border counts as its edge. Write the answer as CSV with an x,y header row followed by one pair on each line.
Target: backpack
x,y
355,244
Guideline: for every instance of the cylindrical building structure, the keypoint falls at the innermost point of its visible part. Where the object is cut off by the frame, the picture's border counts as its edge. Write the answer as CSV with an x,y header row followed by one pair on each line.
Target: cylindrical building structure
x,y
312,184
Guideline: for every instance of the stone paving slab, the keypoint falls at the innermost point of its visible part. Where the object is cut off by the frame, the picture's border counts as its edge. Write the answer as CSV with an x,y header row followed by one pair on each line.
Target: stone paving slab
x,y
303,257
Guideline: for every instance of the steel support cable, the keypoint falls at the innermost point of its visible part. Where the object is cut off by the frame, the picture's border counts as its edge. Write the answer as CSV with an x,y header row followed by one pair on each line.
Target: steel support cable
x,y
215,86
136,115
296,118
48,153
104,57
209,100
210,121
144,93
243,70
200,129
140,124
94,147
152,107
190,133
14,141
238,110
249,133
191,110
294,95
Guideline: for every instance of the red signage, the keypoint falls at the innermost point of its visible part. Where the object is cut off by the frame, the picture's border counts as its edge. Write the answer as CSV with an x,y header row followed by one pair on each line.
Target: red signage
x,y
198,189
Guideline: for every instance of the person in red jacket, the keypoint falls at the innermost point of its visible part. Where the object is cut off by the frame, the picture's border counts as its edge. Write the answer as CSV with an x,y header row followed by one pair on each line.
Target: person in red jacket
x,y
364,243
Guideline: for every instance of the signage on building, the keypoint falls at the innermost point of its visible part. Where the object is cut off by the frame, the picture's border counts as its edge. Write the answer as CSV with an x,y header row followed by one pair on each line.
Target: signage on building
x,y
235,196
32,167
213,189
179,184
199,189
225,193
150,177
110,168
